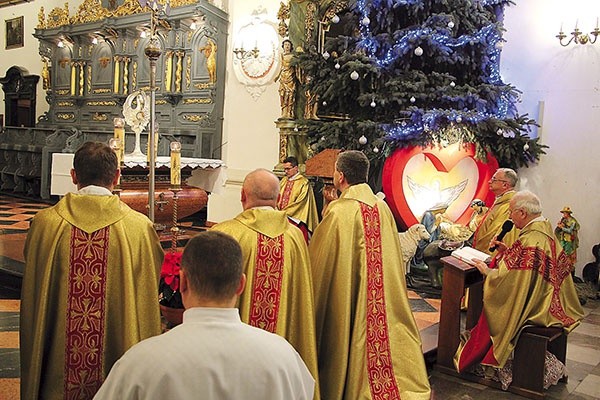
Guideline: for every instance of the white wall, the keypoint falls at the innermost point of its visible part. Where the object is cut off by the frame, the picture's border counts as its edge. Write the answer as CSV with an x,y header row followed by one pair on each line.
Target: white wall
x,y
249,125
27,56
566,80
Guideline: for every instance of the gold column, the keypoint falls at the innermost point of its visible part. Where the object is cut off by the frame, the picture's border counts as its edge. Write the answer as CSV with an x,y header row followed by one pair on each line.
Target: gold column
x,y
134,79
73,77
116,78
89,79
188,72
126,61
168,70
179,70
81,77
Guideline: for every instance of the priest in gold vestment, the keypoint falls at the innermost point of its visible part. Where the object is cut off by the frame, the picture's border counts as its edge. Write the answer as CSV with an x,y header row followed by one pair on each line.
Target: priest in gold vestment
x,y
529,283
90,284
502,184
279,292
368,342
296,196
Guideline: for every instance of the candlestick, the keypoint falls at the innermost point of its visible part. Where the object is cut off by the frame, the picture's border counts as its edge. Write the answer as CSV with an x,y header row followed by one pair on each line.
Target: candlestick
x,y
119,133
175,164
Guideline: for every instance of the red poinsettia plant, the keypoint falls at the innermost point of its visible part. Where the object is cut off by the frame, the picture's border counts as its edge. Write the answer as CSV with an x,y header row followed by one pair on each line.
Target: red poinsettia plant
x,y
168,288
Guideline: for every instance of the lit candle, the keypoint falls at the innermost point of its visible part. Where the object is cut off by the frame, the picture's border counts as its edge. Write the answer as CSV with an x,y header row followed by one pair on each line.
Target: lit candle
x,y
115,144
576,23
175,163
561,27
119,133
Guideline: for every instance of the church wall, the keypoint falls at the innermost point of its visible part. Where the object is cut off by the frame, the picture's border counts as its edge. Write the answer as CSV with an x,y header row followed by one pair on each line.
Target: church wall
x,y
566,80
27,56
250,137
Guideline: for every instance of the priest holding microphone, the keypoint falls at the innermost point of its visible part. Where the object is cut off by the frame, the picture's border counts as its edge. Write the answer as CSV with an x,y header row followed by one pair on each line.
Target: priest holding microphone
x,y
527,283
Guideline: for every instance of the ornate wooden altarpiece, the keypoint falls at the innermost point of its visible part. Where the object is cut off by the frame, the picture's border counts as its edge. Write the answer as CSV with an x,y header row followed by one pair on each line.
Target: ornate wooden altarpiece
x,y
93,59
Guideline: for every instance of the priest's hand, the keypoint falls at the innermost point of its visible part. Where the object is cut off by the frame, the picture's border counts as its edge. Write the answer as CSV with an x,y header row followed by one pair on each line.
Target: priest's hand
x,y
481,266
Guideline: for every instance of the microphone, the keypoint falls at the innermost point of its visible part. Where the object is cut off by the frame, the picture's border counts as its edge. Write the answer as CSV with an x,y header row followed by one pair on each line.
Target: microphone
x,y
506,227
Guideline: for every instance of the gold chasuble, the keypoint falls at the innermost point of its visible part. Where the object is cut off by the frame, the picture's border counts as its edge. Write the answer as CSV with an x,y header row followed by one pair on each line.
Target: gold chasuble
x,y
89,293
278,296
296,198
491,224
530,284
368,343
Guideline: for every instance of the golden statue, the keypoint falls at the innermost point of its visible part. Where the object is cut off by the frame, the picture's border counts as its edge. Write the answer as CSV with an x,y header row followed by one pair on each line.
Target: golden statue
x,y
210,52
45,75
287,81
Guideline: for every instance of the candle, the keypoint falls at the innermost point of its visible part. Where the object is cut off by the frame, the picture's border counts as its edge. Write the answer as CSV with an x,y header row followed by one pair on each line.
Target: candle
x,y
119,133
115,144
175,163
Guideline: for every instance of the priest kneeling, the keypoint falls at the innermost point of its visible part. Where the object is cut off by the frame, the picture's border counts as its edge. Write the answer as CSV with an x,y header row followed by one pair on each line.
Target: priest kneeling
x,y
527,284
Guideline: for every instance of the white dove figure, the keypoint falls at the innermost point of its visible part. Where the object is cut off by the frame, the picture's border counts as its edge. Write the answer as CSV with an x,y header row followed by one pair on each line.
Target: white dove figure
x,y
434,197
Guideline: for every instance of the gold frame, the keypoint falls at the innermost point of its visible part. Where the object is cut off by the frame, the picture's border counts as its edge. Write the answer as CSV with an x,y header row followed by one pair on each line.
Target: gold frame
x,y
14,33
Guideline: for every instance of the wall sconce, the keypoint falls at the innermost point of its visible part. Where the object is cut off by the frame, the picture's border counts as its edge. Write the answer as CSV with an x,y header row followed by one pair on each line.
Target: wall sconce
x,y
578,37
256,66
243,54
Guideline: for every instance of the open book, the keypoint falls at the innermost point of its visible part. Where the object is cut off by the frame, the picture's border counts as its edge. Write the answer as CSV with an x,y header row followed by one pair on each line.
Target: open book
x,y
467,254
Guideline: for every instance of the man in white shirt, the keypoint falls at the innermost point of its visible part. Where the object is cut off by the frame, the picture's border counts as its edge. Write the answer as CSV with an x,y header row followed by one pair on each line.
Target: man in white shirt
x,y
212,355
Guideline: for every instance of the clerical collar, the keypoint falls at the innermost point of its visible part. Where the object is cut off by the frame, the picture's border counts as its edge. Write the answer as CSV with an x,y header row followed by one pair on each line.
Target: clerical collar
x,y
293,178
500,195
263,208
541,218
95,191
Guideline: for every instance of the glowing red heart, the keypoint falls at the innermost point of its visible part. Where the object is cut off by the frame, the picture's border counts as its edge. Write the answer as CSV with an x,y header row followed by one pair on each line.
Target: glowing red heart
x,y
440,162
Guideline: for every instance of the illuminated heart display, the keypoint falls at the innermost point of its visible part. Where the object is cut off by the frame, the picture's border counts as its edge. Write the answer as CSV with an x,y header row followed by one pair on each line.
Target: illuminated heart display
x,y
416,179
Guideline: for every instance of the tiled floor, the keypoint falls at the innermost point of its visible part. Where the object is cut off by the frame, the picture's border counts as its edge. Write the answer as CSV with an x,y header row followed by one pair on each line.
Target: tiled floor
x,y
583,358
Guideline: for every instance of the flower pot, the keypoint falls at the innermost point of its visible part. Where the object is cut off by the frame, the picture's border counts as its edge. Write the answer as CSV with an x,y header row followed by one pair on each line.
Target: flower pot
x,y
172,315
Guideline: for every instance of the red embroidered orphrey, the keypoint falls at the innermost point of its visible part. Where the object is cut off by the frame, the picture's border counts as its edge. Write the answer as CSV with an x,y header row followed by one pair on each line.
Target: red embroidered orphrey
x,y
553,270
266,285
382,380
285,197
86,310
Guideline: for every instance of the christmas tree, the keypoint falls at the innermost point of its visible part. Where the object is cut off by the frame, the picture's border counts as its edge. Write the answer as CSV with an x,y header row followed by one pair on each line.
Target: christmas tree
x,y
417,73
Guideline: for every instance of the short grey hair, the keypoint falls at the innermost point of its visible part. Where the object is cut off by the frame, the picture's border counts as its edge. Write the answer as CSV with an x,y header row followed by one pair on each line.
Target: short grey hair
x,y
527,201
510,176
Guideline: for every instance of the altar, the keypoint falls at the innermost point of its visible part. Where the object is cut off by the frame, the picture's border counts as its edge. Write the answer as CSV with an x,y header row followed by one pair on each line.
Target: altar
x,y
199,177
